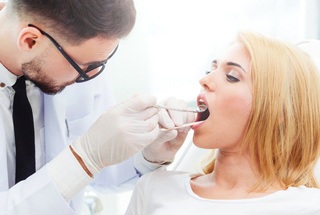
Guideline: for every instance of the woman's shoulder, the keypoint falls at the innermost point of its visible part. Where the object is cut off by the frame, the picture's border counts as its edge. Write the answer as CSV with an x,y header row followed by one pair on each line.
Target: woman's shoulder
x,y
303,197
300,196
303,190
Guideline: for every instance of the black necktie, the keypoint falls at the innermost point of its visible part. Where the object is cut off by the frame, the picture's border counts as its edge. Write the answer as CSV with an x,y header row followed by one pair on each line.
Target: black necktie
x,y
23,131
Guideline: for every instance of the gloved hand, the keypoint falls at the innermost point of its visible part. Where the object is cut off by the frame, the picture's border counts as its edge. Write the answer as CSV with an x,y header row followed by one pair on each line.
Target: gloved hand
x,y
118,134
164,148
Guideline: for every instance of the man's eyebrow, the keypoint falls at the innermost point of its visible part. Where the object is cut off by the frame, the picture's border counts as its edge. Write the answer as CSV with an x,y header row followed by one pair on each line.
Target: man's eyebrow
x,y
236,64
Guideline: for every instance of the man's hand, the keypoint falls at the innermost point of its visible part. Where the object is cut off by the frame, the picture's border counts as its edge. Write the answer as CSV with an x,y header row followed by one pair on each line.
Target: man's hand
x,y
164,148
119,133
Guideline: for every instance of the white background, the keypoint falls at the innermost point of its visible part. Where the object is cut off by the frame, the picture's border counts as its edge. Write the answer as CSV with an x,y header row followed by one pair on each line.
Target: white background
x,y
174,41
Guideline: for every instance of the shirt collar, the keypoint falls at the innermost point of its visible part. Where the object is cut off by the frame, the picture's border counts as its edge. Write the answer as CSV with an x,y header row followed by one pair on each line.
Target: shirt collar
x,y
6,77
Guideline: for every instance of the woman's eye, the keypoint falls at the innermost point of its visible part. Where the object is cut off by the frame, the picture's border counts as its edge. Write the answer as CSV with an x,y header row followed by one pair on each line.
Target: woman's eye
x,y
231,77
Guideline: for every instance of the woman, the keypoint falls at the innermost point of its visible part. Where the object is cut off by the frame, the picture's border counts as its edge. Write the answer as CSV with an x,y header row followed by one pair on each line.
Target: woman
x,y
263,99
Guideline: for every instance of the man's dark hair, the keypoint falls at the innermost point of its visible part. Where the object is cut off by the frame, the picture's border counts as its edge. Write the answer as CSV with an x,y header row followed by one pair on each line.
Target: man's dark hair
x,y
78,20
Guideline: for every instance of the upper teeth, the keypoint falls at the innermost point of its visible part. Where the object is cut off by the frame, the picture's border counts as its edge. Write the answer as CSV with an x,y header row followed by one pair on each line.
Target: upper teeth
x,y
201,101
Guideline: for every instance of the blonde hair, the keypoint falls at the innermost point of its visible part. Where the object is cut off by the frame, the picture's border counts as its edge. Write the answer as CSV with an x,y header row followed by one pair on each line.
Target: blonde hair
x,y
283,130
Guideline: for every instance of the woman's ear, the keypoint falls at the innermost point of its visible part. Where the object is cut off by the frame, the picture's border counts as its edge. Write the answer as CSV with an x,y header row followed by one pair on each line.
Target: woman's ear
x,y
28,38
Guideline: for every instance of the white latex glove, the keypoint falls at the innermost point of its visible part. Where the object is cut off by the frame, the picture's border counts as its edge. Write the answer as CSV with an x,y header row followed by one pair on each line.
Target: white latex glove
x,y
118,134
164,148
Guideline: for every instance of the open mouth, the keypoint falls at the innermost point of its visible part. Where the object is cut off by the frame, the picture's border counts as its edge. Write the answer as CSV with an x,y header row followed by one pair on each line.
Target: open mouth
x,y
202,115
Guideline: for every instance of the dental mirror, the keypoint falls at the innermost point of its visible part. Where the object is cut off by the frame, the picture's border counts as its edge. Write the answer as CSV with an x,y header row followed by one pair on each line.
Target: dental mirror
x,y
201,108
198,109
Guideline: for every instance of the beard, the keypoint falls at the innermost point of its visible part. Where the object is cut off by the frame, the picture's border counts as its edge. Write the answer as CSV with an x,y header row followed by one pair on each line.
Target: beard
x,y
33,71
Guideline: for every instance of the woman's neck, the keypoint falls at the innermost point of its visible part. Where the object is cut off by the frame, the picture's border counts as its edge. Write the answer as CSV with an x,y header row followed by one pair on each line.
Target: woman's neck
x,y
233,169
233,178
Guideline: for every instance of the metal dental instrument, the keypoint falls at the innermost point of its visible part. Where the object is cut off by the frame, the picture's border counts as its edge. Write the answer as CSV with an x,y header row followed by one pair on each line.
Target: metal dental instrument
x,y
181,126
198,109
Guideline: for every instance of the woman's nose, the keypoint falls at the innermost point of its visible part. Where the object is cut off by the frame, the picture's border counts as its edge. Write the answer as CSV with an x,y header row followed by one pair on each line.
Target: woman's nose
x,y
203,83
207,82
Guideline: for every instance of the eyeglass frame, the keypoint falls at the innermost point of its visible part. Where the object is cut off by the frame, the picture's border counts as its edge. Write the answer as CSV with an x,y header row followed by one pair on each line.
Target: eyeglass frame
x,y
83,77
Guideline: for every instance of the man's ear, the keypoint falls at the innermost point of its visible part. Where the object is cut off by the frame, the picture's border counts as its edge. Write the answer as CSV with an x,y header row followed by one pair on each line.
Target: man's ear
x,y
28,38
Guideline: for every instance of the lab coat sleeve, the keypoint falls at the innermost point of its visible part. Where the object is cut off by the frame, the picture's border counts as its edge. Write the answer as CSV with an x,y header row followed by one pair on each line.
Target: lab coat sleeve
x,y
68,175
49,190
116,175
125,171
37,195
143,166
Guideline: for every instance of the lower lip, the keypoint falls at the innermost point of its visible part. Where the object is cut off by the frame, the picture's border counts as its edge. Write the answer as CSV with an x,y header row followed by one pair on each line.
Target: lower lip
x,y
196,126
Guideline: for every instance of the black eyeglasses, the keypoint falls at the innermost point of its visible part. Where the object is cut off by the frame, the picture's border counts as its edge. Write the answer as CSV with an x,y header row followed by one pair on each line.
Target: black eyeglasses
x,y
92,70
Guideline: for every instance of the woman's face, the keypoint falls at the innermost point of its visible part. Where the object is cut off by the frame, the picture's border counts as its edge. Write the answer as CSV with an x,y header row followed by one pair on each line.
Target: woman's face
x,y
227,93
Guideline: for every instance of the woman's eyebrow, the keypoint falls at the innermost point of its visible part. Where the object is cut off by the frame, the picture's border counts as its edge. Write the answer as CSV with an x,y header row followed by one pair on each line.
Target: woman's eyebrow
x,y
230,64
236,64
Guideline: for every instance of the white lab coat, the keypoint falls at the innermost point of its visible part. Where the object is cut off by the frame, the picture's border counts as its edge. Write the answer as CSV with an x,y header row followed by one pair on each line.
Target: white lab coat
x,y
66,116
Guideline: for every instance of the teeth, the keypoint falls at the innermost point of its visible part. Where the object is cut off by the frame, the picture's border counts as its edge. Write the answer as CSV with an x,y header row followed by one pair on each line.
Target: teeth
x,y
201,102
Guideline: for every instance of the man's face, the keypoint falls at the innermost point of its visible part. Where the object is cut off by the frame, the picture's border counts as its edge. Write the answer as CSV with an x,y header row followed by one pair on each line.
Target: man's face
x,y
51,72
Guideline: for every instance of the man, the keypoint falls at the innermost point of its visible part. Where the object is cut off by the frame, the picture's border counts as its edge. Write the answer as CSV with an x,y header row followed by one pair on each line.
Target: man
x,y
53,44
